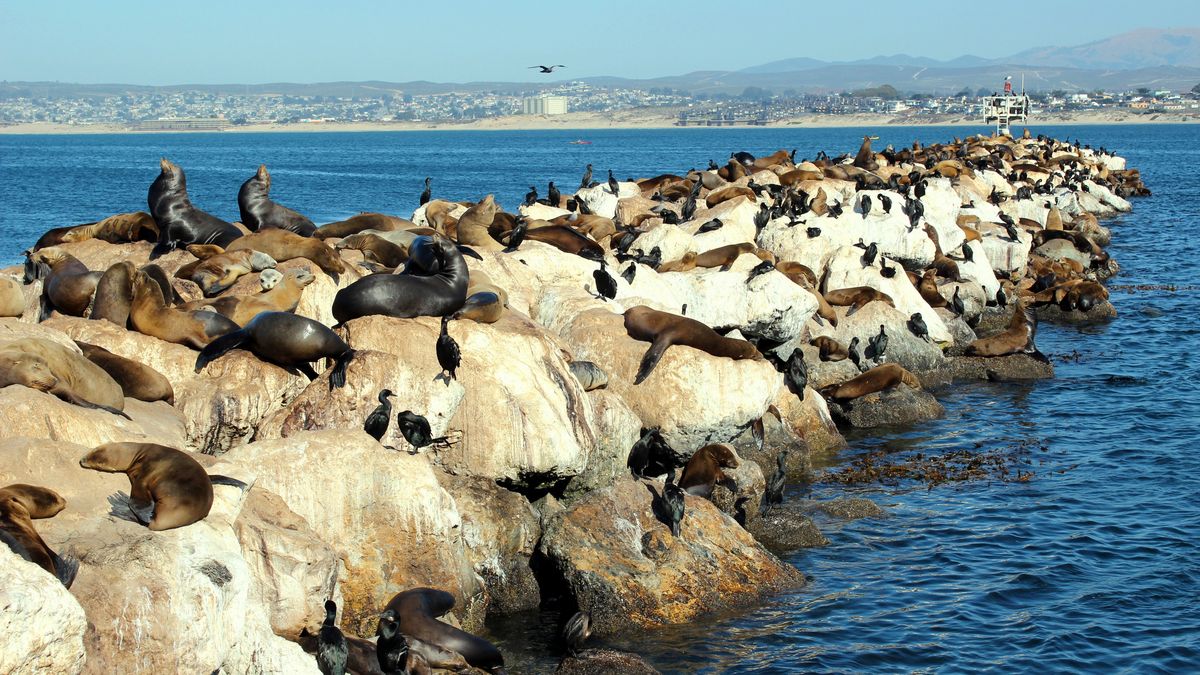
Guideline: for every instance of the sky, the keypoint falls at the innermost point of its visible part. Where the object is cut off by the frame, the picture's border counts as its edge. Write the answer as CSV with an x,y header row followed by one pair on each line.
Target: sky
x,y
253,42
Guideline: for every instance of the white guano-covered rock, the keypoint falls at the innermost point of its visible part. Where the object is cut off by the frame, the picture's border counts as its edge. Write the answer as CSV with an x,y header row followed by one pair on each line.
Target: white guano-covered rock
x,y
41,623
601,201
846,271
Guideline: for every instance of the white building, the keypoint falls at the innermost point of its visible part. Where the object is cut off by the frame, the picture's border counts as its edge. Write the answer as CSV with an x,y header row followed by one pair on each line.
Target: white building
x,y
544,105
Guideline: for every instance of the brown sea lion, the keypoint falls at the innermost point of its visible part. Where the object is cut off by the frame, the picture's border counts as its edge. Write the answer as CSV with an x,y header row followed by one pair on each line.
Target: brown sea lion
x,y
774,159
12,300
703,471
150,315
800,274
215,273
829,348
121,228
376,249
136,380
596,227
20,504
437,214
482,307
565,239
662,330
724,256
818,205
363,221
731,192
856,297
418,609
1016,339
865,159
1054,219
473,225
284,296
928,289
114,293
876,379
796,176
67,284
50,367
687,262
167,487
284,245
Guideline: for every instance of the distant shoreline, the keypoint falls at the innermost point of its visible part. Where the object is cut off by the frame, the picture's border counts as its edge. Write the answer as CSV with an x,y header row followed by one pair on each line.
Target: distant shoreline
x,y
636,119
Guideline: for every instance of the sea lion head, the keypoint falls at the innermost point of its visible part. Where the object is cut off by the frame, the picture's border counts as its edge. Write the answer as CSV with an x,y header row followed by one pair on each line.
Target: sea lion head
x,y
270,278
40,502
110,457
26,369
301,276
263,176
723,455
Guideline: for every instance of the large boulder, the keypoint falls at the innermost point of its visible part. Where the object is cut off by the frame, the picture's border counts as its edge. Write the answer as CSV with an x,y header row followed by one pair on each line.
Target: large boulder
x,y
736,216
601,201
623,566
769,306
26,412
41,625
617,429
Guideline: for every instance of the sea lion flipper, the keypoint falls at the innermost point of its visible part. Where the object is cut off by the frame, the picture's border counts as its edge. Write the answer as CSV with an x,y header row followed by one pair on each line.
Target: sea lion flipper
x,y
650,360
337,376
758,432
218,479
218,347
65,568
467,250
71,398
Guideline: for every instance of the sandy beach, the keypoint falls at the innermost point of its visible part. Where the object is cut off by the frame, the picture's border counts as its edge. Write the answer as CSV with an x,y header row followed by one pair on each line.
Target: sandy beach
x,y
631,119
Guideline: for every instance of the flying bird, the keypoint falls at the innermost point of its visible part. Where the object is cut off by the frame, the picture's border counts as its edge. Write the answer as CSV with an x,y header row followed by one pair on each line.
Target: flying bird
x,y
548,69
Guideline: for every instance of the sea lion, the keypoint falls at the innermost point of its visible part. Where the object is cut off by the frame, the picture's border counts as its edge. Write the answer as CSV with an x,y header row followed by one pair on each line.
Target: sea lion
x,y
215,273
876,379
687,262
12,300
829,348
269,278
418,609
565,239
596,227
410,294
285,245
725,194
856,297
1016,339
281,297
121,228
286,340
865,159
703,471
662,330
136,380
167,487
67,284
150,315
259,212
20,504
724,256
363,221
798,273
473,225
114,294
179,223
928,289
590,375
52,368
376,249
481,307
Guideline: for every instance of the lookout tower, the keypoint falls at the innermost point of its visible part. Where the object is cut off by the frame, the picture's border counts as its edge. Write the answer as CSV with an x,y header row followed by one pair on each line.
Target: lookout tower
x,y
1007,107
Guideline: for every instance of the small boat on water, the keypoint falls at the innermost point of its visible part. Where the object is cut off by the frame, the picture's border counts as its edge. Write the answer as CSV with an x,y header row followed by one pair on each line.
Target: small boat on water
x,y
580,142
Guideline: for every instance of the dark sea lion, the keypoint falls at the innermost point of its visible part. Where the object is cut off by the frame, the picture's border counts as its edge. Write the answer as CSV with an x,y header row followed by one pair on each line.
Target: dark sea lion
x,y
363,221
216,273
12,300
67,284
283,245
283,296
259,212
410,294
663,330
856,297
150,315
179,223
565,239
875,379
20,505
829,348
1016,339
286,340
167,487
703,471
590,375
114,294
50,367
418,609
136,380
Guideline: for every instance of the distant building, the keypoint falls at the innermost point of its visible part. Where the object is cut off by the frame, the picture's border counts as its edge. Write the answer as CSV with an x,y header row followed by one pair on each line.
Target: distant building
x,y
184,124
544,105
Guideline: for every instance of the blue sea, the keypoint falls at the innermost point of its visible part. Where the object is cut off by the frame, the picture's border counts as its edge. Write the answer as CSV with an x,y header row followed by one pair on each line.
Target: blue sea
x,y
1092,565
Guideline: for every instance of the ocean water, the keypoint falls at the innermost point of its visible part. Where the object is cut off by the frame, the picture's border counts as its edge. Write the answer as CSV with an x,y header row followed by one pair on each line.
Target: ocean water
x,y
1092,565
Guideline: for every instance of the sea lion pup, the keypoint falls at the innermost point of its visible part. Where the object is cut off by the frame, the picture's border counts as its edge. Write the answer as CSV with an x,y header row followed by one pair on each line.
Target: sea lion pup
x,y
434,283
876,379
167,487
120,228
67,284
590,375
179,223
829,348
1016,339
20,505
284,245
286,340
12,300
50,367
662,330
687,262
928,289
259,212
136,380
282,297
418,609
150,315
360,222
214,272
703,471
375,249
856,297
725,194
473,225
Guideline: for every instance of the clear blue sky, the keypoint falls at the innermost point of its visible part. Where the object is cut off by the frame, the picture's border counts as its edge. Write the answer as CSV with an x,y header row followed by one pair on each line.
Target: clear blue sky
x,y
250,41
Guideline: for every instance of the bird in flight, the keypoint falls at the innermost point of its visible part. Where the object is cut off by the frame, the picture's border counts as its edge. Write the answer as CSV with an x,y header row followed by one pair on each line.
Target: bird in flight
x,y
548,69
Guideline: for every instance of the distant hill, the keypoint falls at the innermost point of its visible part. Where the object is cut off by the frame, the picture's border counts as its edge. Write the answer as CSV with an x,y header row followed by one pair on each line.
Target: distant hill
x,y
1142,48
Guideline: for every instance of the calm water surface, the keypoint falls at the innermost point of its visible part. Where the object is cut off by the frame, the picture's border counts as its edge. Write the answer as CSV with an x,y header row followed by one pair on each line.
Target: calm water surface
x,y
1093,565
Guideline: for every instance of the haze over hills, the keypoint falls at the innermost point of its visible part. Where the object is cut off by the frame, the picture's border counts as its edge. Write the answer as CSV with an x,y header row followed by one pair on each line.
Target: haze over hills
x,y
1151,58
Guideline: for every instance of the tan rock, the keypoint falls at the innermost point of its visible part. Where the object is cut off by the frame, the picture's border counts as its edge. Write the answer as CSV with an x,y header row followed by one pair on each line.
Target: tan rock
x,y
41,625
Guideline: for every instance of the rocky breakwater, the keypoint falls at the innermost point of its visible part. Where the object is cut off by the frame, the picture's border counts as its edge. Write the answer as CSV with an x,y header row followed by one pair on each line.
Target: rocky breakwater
x,y
595,398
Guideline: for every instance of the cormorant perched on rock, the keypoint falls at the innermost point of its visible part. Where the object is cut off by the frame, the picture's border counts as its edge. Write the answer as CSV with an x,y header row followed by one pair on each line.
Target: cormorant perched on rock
x,y
673,502
868,257
531,196
773,494
760,269
416,429
606,286
613,186
916,324
866,205
332,650
427,193
377,422
629,273
553,196
448,354
576,632
855,354
877,345
813,232
956,303
714,224
885,202
795,376
392,648
517,235
587,177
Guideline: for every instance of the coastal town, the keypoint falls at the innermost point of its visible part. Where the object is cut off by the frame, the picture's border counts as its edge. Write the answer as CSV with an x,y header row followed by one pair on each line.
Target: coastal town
x,y
206,109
